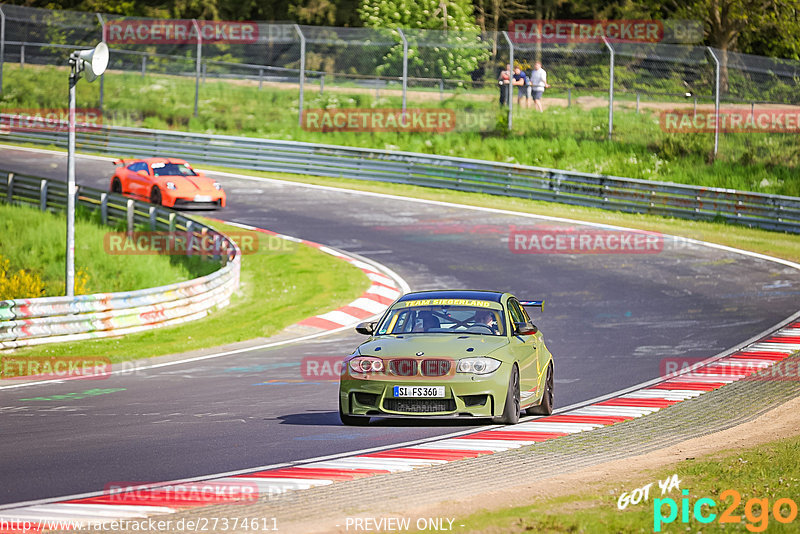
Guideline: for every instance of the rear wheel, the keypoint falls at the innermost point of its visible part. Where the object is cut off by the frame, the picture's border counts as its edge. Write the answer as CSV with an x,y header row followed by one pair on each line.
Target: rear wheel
x,y
511,408
350,420
116,186
155,196
546,406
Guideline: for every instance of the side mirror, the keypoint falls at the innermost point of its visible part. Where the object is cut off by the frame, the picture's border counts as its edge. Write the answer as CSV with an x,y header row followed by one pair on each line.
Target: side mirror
x,y
366,328
142,173
526,329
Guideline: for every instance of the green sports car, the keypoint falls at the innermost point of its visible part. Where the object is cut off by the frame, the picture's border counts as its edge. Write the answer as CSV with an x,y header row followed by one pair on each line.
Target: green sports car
x,y
449,354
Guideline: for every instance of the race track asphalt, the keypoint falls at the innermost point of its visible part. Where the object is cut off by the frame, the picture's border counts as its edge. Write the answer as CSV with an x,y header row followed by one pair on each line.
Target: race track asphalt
x,y
610,320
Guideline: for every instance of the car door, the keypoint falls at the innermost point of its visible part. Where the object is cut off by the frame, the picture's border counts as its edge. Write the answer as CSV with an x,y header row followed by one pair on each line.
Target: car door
x,y
137,184
525,349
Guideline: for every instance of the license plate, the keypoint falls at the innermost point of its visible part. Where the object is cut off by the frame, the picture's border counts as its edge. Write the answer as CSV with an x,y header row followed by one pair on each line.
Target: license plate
x,y
419,391
202,198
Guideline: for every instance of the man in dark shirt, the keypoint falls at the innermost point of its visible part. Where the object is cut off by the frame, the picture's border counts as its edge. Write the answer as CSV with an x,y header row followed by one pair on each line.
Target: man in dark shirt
x,y
521,81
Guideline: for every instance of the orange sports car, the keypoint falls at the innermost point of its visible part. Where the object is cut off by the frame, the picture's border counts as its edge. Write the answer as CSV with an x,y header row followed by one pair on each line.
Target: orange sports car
x,y
168,182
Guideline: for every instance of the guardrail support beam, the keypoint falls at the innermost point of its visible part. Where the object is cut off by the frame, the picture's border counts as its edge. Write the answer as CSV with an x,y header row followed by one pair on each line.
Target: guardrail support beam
x,y
10,187
104,208
131,207
43,195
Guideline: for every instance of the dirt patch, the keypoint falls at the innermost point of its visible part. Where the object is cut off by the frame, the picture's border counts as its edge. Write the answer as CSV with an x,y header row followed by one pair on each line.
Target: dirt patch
x,y
781,422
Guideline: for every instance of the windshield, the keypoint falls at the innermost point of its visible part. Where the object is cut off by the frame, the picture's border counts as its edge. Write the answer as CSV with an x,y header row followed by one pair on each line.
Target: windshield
x,y
172,169
408,319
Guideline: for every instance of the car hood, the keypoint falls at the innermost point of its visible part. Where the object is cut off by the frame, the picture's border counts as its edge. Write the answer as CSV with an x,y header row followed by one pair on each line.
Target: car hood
x,y
432,345
188,182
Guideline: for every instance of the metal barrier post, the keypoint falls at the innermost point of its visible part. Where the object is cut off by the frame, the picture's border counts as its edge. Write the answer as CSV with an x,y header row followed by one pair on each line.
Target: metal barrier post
x,y
43,195
302,71
172,221
569,97
2,45
104,208
510,94
716,101
144,65
321,84
637,102
405,66
10,187
22,56
610,88
131,206
153,214
260,78
198,63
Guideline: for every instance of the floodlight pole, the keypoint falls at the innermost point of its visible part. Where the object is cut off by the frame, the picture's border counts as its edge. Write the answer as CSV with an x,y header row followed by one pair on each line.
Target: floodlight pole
x,y
510,77
2,45
405,67
70,274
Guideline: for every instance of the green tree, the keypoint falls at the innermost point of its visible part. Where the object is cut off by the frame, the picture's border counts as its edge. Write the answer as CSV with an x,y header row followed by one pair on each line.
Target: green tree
x,y
453,52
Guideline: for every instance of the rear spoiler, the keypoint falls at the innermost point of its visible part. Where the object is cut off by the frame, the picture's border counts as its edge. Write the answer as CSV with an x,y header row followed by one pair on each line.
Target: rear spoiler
x,y
123,161
533,303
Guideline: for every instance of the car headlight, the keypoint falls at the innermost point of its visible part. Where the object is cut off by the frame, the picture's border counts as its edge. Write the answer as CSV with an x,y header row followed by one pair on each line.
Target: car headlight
x,y
478,366
366,364
171,185
218,186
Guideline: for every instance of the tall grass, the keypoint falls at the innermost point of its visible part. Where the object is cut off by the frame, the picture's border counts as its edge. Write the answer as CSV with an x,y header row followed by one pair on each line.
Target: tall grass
x,y
35,242
565,138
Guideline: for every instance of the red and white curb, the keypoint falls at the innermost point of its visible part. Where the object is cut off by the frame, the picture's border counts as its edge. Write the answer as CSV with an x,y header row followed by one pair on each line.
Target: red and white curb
x,y
384,289
753,360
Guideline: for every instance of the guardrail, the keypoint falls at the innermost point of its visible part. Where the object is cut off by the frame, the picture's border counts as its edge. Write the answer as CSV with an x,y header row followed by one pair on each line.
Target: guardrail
x,y
26,322
772,212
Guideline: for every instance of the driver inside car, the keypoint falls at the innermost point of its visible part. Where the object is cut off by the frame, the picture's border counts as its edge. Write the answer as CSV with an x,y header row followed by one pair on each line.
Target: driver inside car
x,y
486,317
426,321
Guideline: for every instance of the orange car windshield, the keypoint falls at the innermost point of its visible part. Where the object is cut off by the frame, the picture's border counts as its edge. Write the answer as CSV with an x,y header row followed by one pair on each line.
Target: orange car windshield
x,y
172,169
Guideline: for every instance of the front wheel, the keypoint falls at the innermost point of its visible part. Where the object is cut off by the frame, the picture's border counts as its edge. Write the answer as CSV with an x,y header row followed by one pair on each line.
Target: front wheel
x,y
155,196
546,406
350,420
511,408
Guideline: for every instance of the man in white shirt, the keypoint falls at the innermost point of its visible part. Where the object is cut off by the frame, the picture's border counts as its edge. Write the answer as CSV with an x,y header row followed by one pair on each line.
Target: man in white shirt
x,y
538,81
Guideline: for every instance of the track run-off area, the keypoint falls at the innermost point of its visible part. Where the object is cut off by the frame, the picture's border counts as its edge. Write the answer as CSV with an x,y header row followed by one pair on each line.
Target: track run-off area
x,y
611,320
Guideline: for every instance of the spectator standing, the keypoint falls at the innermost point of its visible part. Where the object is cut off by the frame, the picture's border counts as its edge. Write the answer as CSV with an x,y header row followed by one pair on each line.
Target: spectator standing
x,y
503,82
521,81
538,83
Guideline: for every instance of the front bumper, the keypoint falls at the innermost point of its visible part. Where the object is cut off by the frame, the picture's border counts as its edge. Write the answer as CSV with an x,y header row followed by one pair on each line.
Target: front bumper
x,y
215,199
466,395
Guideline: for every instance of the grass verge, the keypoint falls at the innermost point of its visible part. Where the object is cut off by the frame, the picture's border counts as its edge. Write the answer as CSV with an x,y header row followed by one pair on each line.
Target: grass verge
x,y
36,242
279,287
760,476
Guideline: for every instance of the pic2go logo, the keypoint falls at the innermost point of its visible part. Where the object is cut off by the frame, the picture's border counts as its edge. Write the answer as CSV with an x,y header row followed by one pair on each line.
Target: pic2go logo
x,y
756,511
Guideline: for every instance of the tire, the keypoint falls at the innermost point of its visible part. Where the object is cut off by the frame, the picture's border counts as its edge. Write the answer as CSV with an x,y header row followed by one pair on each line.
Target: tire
x,y
350,420
511,408
546,406
116,186
155,196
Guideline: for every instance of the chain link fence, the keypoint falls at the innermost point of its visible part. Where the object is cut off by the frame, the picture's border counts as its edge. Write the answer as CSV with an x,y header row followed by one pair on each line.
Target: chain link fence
x,y
325,67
